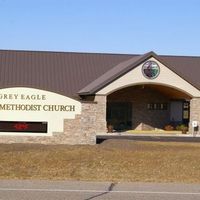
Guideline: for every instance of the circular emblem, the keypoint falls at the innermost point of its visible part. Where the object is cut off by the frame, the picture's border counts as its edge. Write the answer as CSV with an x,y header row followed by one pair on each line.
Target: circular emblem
x,y
150,69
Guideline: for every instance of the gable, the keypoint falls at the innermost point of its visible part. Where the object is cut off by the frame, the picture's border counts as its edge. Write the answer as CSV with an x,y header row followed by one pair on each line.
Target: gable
x,y
165,77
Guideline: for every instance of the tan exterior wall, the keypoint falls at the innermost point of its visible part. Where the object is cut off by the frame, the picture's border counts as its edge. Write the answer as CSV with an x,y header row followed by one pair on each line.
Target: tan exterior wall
x,y
38,107
81,130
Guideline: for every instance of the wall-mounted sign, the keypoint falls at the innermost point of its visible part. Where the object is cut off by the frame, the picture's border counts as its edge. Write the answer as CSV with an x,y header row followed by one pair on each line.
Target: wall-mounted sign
x,y
27,110
21,127
150,69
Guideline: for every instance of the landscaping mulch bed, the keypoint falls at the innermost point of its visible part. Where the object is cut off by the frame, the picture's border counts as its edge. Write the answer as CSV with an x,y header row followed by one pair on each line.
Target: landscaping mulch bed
x,y
112,160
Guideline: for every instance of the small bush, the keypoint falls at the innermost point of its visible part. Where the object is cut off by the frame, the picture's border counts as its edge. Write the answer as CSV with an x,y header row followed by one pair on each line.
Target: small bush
x,y
169,127
181,127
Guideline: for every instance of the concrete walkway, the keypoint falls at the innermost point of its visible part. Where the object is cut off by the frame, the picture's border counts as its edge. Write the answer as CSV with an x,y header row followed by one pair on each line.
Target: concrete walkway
x,y
165,137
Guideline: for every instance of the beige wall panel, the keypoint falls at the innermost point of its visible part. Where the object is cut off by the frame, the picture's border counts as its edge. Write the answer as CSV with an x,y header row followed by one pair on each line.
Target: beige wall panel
x,y
166,78
40,107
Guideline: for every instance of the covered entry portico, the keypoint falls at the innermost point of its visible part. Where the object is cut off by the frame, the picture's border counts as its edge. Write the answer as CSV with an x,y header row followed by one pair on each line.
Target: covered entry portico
x,y
145,93
147,107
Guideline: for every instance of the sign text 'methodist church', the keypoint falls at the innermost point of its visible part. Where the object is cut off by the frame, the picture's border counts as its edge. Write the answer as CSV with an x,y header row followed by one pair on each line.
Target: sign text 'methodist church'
x,y
69,98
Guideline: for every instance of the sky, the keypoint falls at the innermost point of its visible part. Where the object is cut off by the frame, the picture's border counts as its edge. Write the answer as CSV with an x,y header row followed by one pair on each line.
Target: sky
x,y
167,27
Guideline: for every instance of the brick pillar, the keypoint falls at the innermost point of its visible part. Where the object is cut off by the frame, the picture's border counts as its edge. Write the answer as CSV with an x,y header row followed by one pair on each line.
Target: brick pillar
x,y
101,114
194,112
92,120
82,129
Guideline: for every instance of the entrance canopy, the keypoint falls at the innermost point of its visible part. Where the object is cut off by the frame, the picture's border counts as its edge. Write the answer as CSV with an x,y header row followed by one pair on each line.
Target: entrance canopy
x,y
141,70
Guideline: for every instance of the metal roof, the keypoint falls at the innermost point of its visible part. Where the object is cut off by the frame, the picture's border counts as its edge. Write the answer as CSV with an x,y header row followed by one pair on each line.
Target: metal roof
x,y
68,73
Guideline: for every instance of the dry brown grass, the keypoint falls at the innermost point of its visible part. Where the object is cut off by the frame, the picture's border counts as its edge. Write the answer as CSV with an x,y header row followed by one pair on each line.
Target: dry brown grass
x,y
113,160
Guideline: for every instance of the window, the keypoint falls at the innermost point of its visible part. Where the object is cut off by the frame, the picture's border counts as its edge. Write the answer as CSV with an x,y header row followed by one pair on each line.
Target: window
x,y
157,106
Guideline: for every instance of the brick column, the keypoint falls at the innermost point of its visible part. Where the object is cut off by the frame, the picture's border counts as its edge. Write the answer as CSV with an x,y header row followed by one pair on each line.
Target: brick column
x,y
83,129
101,126
194,112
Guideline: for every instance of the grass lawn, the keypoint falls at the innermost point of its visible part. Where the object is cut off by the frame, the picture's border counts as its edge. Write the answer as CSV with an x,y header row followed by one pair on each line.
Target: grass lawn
x,y
113,160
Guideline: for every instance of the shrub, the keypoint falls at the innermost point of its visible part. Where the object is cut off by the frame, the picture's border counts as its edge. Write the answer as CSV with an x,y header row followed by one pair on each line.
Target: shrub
x,y
181,127
169,127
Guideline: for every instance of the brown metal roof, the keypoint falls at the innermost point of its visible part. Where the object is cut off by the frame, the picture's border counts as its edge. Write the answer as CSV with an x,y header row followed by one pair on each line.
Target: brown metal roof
x,y
64,73
68,73
187,67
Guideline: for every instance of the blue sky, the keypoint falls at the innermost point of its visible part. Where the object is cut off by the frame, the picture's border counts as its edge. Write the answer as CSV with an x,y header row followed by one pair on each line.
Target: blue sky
x,y
112,26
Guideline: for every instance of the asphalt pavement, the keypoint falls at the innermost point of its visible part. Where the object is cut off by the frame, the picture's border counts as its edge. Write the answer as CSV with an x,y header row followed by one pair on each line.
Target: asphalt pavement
x,y
148,137
79,190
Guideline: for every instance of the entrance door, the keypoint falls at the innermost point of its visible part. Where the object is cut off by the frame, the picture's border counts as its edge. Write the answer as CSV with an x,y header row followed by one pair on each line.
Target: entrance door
x,y
179,112
176,111
119,114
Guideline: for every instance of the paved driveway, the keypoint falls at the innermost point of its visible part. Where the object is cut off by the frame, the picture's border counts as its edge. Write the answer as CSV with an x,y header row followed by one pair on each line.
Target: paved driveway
x,y
148,137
